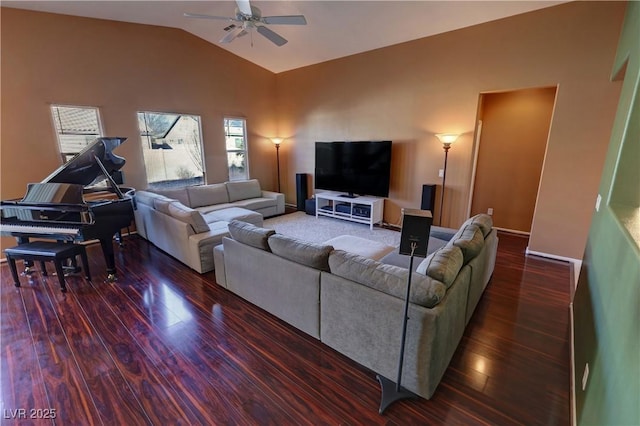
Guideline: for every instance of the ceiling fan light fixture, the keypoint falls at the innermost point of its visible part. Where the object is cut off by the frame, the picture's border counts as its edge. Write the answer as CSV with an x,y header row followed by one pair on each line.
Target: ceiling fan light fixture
x,y
251,18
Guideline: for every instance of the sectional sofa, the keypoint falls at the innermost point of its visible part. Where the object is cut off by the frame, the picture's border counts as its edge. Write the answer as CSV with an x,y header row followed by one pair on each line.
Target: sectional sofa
x,y
354,304
188,222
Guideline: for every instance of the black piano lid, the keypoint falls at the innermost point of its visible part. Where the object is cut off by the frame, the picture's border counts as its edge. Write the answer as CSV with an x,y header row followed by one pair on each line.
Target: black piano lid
x,y
83,169
54,193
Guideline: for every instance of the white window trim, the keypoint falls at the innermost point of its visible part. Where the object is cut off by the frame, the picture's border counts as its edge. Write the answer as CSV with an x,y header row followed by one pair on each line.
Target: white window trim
x,y
246,143
203,154
61,155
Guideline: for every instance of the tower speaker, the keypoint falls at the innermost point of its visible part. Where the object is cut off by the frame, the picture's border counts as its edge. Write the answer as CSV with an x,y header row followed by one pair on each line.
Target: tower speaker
x,y
301,191
428,197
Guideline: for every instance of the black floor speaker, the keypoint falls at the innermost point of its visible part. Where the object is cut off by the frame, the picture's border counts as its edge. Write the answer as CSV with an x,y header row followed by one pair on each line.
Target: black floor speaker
x,y
301,191
428,197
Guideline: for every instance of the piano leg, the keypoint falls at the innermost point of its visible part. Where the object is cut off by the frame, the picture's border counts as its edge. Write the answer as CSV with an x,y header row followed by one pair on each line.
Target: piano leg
x,y
109,257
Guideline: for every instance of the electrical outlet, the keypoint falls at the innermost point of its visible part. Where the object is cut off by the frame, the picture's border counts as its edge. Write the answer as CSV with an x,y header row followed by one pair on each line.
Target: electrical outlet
x,y
441,173
598,203
490,211
585,376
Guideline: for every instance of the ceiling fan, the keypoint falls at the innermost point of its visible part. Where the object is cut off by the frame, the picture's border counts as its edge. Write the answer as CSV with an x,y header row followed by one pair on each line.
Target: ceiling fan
x,y
250,17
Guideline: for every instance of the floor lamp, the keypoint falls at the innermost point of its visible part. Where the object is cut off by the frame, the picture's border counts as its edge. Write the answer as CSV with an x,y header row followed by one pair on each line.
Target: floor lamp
x,y
447,139
277,142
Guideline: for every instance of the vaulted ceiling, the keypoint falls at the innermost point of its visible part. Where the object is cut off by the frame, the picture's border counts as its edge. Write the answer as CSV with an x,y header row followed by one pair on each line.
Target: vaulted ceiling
x,y
334,28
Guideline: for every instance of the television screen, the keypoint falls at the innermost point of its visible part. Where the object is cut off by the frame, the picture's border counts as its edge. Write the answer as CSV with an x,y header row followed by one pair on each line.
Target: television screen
x,y
362,168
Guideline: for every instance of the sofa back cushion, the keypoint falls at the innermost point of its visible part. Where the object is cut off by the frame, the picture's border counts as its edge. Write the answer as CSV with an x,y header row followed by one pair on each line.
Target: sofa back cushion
x,y
249,234
470,240
443,264
185,214
389,279
208,195
148,198
483,221
179,194
304,252
161,204
244,189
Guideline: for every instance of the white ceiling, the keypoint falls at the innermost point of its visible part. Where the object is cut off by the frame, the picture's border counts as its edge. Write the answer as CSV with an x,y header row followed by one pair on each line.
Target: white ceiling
x,y
334,28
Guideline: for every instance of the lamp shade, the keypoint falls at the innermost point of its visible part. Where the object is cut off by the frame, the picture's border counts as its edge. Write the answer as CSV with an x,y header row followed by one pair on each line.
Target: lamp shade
x,y
276,141
447,138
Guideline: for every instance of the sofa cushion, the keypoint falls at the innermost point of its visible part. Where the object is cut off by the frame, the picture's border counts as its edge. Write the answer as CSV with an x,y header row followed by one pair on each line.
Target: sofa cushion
x,y
179,194
389,279
207,195
483,221
242,190
148,198
234,213
250,235
162,204
189,216
470,240
370,249
443,264
402,260
299,251
256,203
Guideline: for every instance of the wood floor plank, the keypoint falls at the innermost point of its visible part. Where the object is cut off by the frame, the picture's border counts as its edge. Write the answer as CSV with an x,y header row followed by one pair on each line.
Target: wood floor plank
x,y
165,345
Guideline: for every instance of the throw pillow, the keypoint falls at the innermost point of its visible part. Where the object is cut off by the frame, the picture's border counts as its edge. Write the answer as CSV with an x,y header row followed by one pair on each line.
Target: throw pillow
x,y
299,251
250,235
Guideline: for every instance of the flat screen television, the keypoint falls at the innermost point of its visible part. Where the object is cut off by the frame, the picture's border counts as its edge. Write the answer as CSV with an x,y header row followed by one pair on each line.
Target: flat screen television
x,y
355,168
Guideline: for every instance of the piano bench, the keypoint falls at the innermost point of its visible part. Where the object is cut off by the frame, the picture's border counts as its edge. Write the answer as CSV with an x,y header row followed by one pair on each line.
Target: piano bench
x,y
41,251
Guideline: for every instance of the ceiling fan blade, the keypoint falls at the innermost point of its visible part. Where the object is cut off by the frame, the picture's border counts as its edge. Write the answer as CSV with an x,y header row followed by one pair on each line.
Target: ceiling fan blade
x,y
196,15
285,20
244,7
275,38
231,35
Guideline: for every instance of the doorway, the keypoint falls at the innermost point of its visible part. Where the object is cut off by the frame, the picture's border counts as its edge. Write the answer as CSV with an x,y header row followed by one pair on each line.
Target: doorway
x,y
510,149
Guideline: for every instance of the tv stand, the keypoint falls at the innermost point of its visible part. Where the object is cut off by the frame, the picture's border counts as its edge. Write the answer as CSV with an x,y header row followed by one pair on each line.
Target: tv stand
x,y
349,195
363,209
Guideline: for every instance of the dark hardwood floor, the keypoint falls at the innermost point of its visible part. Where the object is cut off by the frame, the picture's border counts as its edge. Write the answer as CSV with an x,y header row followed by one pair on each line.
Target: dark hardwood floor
x,y
165,345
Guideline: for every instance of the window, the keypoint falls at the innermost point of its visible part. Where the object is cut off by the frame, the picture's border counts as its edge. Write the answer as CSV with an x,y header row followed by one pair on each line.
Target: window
x,y
172,149
76,127
235,135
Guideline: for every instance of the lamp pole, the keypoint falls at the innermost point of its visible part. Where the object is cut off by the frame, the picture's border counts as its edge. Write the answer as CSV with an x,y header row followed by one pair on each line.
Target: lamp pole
x,y
446,147
277,142
447,139
278,163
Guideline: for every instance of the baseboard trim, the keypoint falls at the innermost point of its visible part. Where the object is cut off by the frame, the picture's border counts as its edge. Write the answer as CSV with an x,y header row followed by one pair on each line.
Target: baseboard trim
x,y
512,231
577,263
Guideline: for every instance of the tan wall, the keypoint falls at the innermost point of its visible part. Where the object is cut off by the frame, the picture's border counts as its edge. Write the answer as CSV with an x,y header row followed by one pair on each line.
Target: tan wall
x,y
513,141
409,92
122,68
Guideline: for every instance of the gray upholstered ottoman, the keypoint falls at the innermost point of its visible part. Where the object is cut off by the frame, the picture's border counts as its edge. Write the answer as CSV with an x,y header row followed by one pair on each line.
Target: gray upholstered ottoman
x,y
361,246
237,213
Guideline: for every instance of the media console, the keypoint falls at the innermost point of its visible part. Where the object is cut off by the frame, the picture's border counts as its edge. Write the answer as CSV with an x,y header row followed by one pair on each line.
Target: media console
x,y
361,209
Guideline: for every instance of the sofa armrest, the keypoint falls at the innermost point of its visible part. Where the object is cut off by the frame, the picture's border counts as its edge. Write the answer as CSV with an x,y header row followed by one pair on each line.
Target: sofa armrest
x,y
201,246
279,197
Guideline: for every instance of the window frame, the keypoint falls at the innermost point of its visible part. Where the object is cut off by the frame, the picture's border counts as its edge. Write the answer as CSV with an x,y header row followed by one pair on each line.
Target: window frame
x,y
65,157
245,150
142,142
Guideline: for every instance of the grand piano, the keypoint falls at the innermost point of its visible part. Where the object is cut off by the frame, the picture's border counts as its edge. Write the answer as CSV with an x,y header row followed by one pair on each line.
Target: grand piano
x,y
74,204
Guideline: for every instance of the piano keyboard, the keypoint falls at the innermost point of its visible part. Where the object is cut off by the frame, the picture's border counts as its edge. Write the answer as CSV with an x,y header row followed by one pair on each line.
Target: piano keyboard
x,y
12,227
